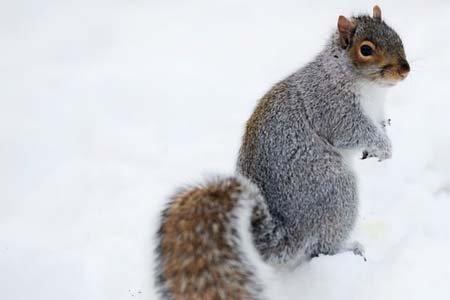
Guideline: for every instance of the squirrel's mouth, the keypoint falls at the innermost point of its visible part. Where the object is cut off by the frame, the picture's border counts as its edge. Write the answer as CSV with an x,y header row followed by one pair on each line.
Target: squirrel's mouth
x,y
395,73
389,81
389,76
385,81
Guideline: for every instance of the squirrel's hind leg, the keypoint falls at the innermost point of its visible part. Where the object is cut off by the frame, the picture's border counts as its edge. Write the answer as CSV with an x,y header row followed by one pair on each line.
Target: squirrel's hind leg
x,y
356,247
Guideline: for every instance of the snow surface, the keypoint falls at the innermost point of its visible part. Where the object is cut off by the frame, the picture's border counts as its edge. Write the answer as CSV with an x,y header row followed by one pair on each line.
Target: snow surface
x,y
107,106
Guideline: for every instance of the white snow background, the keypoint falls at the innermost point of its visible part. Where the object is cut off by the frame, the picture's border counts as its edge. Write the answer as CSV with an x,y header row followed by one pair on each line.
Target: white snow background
x,y
108,106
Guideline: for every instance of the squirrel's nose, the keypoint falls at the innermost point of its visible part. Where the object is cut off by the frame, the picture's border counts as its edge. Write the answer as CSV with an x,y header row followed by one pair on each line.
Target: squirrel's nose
x,y
404,68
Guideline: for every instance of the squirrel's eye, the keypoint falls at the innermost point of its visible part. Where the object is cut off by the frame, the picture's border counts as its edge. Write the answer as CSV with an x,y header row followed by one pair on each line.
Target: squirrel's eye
x,y
366,50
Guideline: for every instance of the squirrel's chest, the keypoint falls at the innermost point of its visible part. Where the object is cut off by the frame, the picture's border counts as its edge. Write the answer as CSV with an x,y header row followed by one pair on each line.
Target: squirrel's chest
x,y
372,99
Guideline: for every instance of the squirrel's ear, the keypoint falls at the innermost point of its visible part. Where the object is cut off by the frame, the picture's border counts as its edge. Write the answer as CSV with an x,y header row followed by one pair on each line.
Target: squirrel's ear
x,y
377,12
346,29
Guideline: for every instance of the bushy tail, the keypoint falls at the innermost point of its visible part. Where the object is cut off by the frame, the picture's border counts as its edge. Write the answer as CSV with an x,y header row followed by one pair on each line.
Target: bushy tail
x,y
204,243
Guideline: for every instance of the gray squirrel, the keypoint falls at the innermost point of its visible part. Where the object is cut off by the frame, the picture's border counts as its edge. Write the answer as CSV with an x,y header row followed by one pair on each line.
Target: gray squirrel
x,y
294,194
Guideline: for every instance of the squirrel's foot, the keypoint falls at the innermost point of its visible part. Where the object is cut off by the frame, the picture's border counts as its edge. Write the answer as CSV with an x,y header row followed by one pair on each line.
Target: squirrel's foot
x,y
357,248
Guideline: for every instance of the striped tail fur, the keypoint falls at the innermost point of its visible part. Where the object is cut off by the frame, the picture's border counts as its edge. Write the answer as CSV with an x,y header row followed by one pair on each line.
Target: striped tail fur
x,y
205,247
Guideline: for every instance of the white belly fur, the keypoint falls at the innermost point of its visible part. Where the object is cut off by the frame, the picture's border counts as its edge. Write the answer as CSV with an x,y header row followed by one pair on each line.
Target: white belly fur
x,y
372,100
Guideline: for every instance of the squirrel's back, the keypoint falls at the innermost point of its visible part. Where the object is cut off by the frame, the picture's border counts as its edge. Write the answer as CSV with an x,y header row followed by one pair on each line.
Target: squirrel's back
x,y
204,243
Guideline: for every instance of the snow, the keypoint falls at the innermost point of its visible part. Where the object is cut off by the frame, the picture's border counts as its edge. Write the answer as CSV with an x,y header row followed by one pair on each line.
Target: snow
x,y
107,106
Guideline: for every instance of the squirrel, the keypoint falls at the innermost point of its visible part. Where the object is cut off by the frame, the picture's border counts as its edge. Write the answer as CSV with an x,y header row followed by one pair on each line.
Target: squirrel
x,y
294,194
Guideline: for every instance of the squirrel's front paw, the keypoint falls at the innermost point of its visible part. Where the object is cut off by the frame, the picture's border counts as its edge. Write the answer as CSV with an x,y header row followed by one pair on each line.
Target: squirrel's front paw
x,y
380,154
382,151
386,123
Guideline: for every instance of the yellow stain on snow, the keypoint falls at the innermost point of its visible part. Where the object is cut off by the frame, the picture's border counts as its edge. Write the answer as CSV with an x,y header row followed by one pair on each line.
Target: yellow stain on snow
x,y
374,229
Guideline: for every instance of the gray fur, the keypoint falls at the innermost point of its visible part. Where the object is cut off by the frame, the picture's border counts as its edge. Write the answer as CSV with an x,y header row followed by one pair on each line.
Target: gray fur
x,y
293,183
294,154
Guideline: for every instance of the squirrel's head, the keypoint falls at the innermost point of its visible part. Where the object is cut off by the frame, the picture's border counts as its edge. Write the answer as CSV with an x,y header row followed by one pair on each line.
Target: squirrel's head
x,y
374,48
